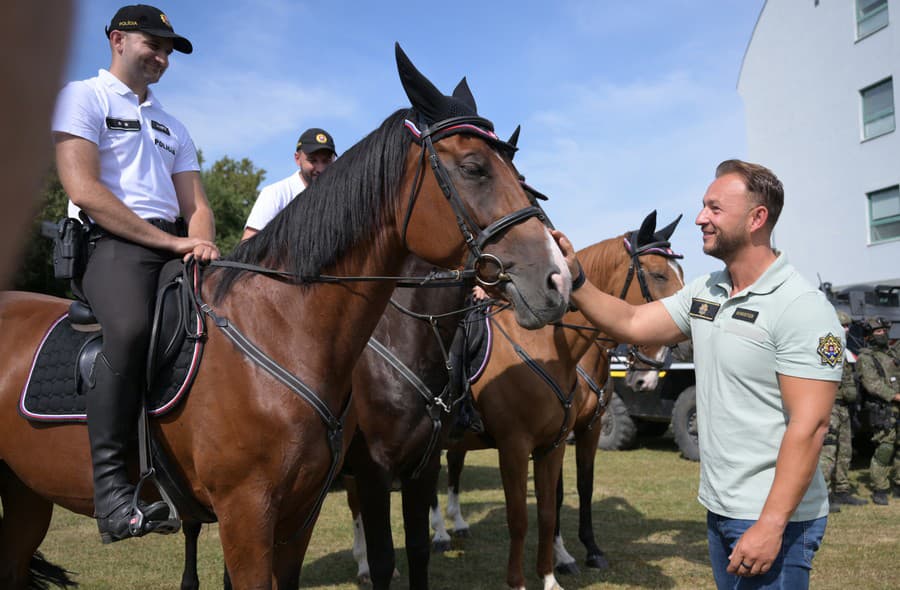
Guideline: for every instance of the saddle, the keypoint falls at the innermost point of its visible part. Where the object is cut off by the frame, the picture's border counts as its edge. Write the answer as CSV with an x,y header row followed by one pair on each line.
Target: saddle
x,y
471,347
61,374
61,371
469,355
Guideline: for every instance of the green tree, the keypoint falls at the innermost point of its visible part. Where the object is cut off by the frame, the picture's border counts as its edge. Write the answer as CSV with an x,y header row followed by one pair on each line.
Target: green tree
x,y
231,187
36,271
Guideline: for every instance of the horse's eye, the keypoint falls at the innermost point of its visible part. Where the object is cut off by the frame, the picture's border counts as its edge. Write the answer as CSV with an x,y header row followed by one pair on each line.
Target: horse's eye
x,y
658,276
473,170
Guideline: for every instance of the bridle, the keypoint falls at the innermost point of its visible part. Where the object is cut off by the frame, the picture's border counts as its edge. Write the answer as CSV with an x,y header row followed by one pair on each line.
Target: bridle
x,y
489,269
662,248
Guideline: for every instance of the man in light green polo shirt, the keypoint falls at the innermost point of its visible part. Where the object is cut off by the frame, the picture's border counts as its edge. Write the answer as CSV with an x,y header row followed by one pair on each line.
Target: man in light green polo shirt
x,y
768,351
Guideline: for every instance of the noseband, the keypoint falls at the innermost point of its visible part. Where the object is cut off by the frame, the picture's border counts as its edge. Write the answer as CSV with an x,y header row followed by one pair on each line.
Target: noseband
x,y
662,248
489,269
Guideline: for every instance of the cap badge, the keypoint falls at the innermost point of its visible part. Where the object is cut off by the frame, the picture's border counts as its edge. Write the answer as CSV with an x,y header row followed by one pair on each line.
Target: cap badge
x,y
165,20
320,137
830,350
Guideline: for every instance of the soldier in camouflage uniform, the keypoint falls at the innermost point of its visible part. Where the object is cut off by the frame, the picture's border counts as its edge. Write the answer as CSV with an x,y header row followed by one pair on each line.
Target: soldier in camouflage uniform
x,y
879,373
834,462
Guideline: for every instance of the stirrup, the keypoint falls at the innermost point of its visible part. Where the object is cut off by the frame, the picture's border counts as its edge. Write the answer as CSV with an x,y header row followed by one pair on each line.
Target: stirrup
x,y
138,525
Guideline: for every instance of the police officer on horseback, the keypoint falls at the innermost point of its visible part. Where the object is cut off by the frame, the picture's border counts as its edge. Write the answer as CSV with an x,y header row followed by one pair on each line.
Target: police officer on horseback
x,y
131,169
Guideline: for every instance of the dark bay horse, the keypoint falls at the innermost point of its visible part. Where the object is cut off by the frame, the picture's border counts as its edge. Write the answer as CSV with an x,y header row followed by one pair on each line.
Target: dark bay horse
x,y
530,410
404,409
253,450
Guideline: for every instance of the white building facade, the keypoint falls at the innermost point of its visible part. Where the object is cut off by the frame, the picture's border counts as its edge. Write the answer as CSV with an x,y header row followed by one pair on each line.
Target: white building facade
x,y
819,83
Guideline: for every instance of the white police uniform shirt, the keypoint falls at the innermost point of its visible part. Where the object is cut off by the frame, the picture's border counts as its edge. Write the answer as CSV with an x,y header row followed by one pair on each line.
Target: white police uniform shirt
x,y
140,145
273,198
780,324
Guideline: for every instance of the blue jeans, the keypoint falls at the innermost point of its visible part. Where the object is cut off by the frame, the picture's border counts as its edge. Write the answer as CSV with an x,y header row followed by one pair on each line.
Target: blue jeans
x,y
791,568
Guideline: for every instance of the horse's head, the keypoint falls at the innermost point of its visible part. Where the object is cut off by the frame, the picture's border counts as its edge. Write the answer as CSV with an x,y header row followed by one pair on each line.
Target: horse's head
x,y
467,205
646,269
658,275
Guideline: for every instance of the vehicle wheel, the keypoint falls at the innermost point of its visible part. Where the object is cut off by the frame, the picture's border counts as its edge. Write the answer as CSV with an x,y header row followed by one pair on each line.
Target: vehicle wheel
x,y
684,424
617,430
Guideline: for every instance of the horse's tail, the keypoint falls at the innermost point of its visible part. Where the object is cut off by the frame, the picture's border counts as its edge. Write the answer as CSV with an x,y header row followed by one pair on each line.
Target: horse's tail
x,y
44,574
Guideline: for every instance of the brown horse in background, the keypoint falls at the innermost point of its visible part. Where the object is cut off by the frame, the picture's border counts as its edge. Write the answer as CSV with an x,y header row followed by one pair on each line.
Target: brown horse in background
x,y
253,450
530,411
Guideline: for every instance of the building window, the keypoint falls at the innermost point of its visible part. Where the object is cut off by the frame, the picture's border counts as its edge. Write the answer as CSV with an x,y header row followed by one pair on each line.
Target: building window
x,y
878,109
884,214
871,15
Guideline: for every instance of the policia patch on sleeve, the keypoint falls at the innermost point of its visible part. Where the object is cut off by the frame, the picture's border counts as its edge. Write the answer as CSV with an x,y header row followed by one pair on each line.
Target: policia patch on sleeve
x,y
830,350
705,310
123,124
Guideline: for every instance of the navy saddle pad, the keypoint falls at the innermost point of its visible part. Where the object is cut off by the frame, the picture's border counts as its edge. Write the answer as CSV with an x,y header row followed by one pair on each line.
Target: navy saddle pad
x,y
58,381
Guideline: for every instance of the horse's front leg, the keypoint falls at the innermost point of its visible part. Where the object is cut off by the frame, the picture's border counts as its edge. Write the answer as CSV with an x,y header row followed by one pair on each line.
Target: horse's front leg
x,y
247,533
565,563
455,461
289,559
585,452
416,495
375,510
547,471
189,578
514,473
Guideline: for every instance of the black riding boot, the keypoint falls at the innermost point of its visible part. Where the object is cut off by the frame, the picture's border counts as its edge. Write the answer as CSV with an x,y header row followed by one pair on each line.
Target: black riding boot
x,y
112,420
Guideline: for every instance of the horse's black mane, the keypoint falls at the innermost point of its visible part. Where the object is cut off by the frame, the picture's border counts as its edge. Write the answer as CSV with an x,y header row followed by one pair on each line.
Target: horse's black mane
x,y
343,207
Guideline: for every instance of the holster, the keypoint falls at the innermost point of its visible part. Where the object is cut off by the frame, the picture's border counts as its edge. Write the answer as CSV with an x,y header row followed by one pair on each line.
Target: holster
x,y
70,248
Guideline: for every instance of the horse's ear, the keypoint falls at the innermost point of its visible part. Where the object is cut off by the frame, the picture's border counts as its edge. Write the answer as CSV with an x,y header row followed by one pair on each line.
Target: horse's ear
x,y
423,95
514,138
463,94
645,234
665,233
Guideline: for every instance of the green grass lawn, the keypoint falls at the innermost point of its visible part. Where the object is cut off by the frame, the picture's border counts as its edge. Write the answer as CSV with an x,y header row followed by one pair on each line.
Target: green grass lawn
x,y
646,517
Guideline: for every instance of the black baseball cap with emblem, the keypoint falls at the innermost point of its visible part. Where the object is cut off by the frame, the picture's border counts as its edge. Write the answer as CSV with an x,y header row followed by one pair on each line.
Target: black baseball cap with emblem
x,y
150,20
316,139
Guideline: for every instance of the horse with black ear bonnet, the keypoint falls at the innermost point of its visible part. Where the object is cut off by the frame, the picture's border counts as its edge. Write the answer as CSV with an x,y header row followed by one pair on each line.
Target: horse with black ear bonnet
x,y
263,430
530,396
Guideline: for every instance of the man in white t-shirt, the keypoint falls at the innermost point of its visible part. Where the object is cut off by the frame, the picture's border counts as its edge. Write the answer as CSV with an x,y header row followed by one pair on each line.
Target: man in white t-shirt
x,y
315,152
132,168
768,352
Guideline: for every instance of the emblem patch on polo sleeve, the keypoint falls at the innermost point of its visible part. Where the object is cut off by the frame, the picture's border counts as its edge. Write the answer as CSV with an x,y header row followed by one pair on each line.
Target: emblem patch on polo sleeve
x,y
705,310
830,350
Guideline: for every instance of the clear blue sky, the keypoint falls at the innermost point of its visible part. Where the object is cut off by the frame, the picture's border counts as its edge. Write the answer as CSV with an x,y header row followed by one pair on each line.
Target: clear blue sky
x,y
625,107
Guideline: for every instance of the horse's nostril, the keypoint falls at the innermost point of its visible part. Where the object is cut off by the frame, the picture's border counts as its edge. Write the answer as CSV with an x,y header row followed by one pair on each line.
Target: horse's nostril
x,y
555,281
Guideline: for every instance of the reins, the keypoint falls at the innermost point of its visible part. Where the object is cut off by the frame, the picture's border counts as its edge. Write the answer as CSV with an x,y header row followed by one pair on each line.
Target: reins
x,y
437,278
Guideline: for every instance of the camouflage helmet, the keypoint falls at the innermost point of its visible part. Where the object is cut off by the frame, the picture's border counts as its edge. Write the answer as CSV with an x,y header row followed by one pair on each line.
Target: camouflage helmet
x,y
872,324
844,318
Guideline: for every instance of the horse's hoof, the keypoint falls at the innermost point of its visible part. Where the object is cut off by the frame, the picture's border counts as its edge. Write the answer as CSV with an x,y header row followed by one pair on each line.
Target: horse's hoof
x,y
363,580
597,562
461,533
567,569
440,546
